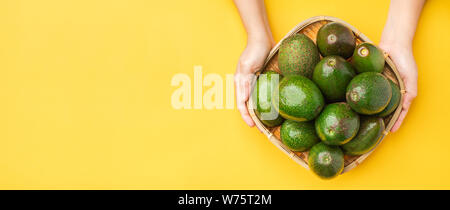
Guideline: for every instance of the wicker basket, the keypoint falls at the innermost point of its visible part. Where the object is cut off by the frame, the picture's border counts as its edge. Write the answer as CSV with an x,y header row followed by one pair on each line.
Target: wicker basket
x,y
310,27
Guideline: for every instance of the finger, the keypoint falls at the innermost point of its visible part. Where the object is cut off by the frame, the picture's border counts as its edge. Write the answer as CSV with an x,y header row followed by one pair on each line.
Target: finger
x,y
246,116
244,108
411,92
242,95
411,88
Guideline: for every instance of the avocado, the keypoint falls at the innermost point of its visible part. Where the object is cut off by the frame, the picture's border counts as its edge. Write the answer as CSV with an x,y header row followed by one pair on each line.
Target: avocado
x,y
332,75
335,39
264,109
369,93
298,98
298,55
326,161
337,124
367,138
298,136
368,58
394,102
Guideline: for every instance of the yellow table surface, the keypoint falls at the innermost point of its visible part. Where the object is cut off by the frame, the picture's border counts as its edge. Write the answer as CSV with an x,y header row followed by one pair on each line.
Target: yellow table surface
x,y
86,98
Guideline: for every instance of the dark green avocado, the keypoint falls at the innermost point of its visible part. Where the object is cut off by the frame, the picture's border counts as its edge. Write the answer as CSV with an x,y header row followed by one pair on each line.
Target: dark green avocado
x,y
337,124
298,136
326,161
367,138
332,75
368,58
335,39
369,93
264,109
298,55
393,103
298,98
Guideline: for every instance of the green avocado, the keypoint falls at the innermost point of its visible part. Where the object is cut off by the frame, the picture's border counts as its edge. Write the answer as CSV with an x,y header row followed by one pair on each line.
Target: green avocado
x,y
367,138
298,55
335,39
368,58
298,98
264,109
369,93
337,124
332,74
326,161
298,136
394,102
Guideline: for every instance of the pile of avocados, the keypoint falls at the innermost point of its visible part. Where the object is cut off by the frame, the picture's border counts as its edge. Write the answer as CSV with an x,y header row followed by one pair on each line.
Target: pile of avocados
x,y
330,98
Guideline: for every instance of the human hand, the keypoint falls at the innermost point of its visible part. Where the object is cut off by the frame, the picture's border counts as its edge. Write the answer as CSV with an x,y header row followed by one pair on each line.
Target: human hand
x,y
396,40
251,60
403,58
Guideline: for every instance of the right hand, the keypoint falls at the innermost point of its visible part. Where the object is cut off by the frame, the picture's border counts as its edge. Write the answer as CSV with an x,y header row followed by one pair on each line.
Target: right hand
x,y
251,60
404,60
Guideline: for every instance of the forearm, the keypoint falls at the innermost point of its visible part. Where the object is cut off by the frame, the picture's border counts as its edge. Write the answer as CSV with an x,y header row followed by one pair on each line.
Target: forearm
x,y
254,18
401,23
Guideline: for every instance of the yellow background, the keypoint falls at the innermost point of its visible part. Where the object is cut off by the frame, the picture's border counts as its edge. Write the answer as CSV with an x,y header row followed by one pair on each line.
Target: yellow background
x,y
85,98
